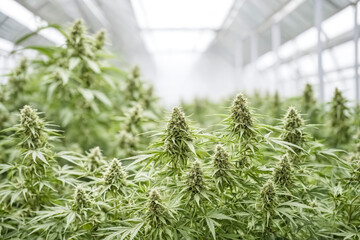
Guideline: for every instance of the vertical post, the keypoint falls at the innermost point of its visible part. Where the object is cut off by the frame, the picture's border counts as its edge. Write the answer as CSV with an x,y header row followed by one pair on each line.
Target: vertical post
x,y
254,48
318,20
297,68
254,57
275,43
238,60
356,62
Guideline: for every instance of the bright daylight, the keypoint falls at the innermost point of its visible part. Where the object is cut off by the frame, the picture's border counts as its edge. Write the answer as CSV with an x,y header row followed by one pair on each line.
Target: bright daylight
x,y
179,119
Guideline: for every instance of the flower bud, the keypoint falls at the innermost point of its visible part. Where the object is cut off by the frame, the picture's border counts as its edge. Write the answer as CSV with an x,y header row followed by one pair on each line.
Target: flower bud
x,y
135,114
115,175
18,79
32,127
242,162
95,158
81,199
77,29
77,40
283,172
221,161
136,72
308,98
242,122
178,137
195,179
154,203
292,128
268,195
339,119
100,40
128,141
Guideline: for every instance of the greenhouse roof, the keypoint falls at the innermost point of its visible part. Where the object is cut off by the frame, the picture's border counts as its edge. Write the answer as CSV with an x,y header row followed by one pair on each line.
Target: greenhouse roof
x,y
202,25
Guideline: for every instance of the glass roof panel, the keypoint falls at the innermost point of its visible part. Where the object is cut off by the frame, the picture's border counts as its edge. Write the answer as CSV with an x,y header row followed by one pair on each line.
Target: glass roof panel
x,y
180,25
173,41
339,23
22,15
181,13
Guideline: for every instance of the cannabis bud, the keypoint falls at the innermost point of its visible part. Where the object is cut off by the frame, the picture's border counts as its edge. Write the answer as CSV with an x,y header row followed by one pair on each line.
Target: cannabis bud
x,y
77,40
242,162
115,175
18,79
177,127
338,109
195,179
242,122
308,98
81,199
276,105
338,104
135,114
154,203
178,137
100,40
32,127
128,141
292,128
339,118
221,161
283,172
23,66
95,158
77,29
268,195
136,72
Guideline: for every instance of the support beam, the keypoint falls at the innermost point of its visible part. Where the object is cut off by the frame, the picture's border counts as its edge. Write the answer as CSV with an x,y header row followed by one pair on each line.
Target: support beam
x,y
356,63
238,61
318,21
275,43
254,48
254,54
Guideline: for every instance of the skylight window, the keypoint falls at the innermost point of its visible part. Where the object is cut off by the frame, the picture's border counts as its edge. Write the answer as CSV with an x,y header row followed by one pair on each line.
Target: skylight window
x,y
28,19
6,45
180,25
177,41
340,23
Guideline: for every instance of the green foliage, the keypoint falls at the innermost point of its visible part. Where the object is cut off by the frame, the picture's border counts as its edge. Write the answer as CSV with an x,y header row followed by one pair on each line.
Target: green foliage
x,y
339,119
81,92
237,179
178,139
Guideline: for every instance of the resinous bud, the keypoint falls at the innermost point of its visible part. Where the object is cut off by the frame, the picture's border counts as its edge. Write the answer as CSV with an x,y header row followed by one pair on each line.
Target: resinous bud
x,y
114,175
195,179
221,160
32,127
268,195
81,198
292,128
242,121
283,172
154,203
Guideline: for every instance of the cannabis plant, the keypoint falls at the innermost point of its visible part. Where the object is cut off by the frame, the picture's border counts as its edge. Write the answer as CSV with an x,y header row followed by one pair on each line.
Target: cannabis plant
x,y
338,119
79,89
235,179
